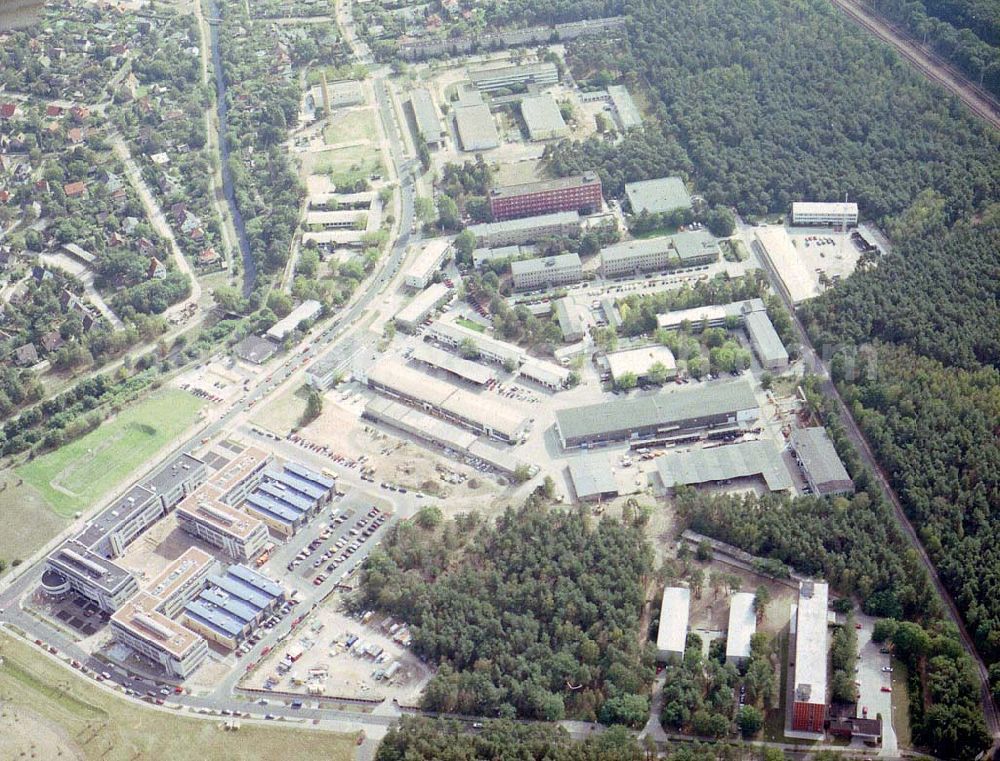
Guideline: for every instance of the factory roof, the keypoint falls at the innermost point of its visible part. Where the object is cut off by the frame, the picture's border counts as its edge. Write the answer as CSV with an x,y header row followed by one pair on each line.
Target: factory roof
x,y
256,579
241,590
542,116
141,618
296,501
818,456
811,643
476,128
545,186
232,605
722,463
640,360
765,338
592,477
742,625
215,617
422,303
426,114
664,409
695,244
542,264
471,371
671,636
628,114
301,471
291,480
267,505
658,196
456,333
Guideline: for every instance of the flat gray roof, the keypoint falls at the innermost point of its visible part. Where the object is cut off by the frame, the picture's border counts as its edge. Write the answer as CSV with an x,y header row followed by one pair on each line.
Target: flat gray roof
x,y
425,114
663,409
173,474
631,248
818,455
671,637
628,114
542,116
520,71
422,303
592,476
695,244
131,503
75,558
476,128
742,625
658,196
525,223
765,338
471,371
811,643
721,463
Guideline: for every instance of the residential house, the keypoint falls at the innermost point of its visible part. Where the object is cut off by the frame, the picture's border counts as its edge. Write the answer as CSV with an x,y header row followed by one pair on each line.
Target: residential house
x,y
75,189
51,341
26,355
157,270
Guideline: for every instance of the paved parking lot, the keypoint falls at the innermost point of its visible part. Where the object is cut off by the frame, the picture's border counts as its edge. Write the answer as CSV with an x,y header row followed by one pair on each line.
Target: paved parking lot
x,y
871,679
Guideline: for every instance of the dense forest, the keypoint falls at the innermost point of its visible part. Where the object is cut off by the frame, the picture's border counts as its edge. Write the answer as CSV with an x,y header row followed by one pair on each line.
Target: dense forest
x,y
419,739
534,615
964,32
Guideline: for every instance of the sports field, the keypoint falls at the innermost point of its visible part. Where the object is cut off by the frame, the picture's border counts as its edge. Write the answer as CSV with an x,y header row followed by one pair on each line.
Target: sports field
x,y
76,476
50,712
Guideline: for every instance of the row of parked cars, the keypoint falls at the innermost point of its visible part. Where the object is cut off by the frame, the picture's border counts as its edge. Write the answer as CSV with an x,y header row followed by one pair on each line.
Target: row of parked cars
x,y
363,530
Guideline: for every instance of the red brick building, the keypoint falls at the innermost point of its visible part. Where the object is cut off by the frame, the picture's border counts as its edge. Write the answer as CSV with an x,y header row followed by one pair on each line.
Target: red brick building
x,y
580,193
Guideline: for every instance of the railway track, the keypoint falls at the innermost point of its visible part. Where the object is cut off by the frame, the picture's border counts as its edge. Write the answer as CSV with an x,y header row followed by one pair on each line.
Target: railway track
x,y
927,62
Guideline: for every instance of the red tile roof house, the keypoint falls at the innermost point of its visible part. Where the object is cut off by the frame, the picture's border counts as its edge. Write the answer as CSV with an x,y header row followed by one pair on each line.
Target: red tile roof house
x,y
74,189
8,110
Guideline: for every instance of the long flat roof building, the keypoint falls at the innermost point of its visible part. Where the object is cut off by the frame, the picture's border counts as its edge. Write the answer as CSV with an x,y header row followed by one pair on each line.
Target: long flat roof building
x,y
182,580
526,229
425,115
811,648
765,342
822,214
503,77
742,627
824,471
710,315
712,465
491,349
643,417
658,196
473,372
640,360
625,109
307,310
428,261
671,637
73,566
548,374
542,117
480,413
422,306
205,516
581,193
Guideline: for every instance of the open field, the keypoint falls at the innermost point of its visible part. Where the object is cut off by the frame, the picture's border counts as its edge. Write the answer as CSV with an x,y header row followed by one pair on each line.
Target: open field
x,y
354,125
344,165
49,712
901,704
282,414
22,506
77,475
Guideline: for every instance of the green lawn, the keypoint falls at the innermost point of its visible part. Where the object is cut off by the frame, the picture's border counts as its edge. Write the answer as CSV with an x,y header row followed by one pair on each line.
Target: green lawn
x,y
344,165
76,476
901,704
354,125
32,523
50,712
465,322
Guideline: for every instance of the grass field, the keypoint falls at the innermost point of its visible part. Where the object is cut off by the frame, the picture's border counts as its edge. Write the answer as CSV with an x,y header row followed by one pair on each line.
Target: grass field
x,y
75,477
344,165
32,523
465,322
282,414
48,712
901,704
354,125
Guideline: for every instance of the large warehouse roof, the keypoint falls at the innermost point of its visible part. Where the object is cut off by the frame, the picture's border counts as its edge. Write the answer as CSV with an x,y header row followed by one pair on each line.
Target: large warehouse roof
x,y
476,128
542,116
742,625
658,196
811,643
445,360
765,338
742,460
425,113
819,457
592,477
674,610
625,107
663,409
486,229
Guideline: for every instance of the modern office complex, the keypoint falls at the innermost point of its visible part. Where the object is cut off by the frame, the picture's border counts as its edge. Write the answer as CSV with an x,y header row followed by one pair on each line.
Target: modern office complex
x,y
141,626
546,272
818,214
482,414
205,516
809,706
730,403
289,497
542,117
747,459
233,605
74,567
527,229
671,636
820,463
508,77
490,349
658,196
421,307
425,115
742,627
580,193
428,261
632,257
182,580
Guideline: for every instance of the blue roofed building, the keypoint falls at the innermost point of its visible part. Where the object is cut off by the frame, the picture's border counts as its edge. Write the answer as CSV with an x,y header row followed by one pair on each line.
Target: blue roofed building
x,y
233,605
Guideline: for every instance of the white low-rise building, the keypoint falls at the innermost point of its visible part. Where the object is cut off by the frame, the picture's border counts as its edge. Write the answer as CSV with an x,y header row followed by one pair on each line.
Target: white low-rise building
x,y
742,627
546,272
820,214
428,261
671,636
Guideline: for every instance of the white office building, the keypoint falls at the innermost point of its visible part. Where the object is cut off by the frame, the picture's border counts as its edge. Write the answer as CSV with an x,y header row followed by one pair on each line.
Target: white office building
x,y
546,272
428,261
817,214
